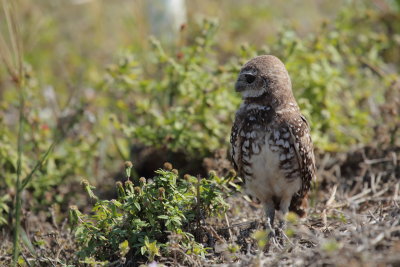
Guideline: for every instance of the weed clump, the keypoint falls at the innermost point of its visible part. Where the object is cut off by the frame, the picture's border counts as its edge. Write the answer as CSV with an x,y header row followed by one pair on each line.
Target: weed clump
x,y
150,218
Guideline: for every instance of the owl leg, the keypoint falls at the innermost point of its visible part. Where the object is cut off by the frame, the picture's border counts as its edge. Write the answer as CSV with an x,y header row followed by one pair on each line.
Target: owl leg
x,y
284,208
270,214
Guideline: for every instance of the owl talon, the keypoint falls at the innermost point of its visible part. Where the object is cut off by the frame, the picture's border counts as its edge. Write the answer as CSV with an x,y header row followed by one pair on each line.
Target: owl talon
x,y
271,234
273,239
280,233
282,225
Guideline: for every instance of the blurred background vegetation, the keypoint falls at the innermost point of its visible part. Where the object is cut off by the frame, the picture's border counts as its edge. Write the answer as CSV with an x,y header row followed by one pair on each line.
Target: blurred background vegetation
x,y
170,97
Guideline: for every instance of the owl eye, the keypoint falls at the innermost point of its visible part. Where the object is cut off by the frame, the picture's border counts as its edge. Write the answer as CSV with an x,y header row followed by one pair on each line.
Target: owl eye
x,y
250,78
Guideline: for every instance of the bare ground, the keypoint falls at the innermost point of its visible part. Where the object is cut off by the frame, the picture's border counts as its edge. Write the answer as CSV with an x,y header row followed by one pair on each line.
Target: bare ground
x,y
354,219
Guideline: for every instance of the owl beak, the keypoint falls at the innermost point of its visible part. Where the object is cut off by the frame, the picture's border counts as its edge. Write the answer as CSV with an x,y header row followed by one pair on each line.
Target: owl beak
x,y
240,86
243,81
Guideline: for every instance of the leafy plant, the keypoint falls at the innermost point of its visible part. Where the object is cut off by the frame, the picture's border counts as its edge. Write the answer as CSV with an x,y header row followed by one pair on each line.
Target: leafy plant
x,y
186,105
146,213
186,102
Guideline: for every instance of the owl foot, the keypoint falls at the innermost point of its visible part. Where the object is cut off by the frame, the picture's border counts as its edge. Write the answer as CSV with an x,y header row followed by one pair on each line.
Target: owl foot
x,y
273,240
280,233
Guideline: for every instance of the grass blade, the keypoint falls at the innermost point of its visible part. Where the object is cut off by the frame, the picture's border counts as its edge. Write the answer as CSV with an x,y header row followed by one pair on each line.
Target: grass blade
x,y
18,201
38,165
26,241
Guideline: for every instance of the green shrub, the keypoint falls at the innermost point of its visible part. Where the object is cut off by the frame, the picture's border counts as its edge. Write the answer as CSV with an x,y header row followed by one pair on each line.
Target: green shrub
x,y
150,217
187,102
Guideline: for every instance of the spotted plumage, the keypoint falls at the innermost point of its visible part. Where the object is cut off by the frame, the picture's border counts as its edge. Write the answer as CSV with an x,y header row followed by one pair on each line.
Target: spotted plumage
x,y
271,143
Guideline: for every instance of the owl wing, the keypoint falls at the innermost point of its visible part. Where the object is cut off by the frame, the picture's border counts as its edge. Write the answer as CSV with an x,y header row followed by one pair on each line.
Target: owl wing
x,y
235,145
304,154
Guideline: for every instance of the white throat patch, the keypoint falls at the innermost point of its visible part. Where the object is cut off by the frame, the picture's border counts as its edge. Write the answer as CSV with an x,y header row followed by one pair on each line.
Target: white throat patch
x,y
253,93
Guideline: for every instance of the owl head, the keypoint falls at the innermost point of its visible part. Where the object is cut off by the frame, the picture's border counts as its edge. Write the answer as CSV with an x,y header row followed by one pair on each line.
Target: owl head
x,y
264,77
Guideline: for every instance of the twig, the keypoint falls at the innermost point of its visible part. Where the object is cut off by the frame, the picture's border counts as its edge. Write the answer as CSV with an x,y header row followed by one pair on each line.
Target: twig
x,y
238,225
212,232
375,69
26,260
373,183
375,161
396,191
373,197
360,195
373,216
53,217
229,230
332,197
324,218
359,181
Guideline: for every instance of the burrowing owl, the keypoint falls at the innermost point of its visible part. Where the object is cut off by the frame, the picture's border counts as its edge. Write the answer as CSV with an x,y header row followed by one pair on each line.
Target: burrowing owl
x,y
271,143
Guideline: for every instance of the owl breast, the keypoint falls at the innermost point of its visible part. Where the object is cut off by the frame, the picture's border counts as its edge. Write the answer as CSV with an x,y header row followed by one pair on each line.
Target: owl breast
x,y
268,165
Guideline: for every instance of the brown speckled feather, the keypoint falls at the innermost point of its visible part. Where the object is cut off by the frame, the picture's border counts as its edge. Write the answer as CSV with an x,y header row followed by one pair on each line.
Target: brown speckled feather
x,y
301,138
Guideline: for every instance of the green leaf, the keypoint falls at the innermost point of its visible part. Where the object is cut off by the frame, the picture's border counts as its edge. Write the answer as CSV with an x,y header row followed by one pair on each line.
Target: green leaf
x,y
103,238
143,250
25,239
164,217
124,248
